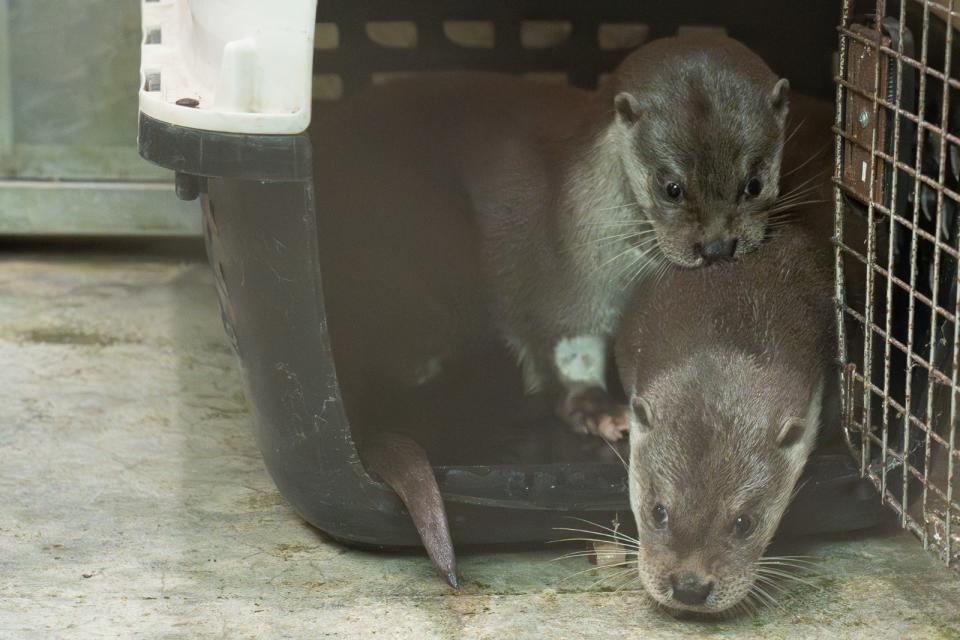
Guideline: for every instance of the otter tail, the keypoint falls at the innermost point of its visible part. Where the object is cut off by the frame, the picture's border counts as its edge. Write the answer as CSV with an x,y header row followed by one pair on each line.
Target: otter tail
x,y
404,466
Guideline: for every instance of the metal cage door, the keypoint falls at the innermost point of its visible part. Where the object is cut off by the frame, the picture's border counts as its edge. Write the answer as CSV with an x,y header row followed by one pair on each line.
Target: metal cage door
x,y
897,190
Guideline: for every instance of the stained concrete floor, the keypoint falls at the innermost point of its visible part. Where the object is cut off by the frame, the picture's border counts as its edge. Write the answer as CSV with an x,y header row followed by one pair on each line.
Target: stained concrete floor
x,y
133,501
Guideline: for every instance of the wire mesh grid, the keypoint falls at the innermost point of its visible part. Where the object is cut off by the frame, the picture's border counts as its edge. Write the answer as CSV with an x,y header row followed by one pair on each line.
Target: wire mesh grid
x,y
897,193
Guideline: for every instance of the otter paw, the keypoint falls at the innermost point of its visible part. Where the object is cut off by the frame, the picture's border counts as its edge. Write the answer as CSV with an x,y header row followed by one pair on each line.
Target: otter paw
x,y
593,411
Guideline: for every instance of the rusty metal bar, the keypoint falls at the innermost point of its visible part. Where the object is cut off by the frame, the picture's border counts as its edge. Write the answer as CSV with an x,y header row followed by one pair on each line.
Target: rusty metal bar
x,y
890,252
942,152
932,357
871,235
944,123
846,380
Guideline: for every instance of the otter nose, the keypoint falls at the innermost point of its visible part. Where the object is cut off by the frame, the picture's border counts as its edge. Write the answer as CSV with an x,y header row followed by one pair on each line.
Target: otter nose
x,y
688,589
721,249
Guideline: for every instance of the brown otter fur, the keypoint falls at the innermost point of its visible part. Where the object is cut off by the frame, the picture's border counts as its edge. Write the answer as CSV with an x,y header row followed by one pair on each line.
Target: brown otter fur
x,y
726,369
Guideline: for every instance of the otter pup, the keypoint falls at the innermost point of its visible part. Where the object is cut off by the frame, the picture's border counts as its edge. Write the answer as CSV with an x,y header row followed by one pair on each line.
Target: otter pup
x,y
463,208
725,367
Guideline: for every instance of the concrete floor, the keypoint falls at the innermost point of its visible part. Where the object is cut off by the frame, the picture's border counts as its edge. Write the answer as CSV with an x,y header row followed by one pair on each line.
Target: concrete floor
x,y
135,504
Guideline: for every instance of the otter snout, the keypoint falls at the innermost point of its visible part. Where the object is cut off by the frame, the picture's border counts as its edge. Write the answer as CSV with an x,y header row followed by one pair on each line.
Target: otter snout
x,y
717,250
689,588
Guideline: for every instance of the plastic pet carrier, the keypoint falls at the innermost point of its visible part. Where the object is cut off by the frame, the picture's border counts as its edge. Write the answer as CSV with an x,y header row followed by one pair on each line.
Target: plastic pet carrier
x,y
226,95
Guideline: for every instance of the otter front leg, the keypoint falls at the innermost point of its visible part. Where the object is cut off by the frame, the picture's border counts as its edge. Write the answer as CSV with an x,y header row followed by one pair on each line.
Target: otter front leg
x,y
581,365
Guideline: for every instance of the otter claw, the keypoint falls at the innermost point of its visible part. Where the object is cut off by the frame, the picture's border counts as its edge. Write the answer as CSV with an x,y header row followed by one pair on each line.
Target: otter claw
x,y
594,412
613,428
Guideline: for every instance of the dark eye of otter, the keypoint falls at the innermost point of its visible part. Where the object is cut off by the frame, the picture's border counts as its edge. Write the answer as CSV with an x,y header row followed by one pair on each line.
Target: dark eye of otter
x,y
659,516
742,526
754,187
673,190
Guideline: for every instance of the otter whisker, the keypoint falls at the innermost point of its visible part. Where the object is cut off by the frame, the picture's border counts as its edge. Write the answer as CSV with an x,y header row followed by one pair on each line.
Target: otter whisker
x,y
793,202
627,228
808,187
627,544
781,204
805,162
792,205
614,223
578,554
803,570
807,569
808,560
808,183
613,448
593,541
662,270
783,565
772,584
613,238
787,576
765,596
619,575
798,193
629,583
750,605
614,531
780,224
618,207
644,259
787,214
610,261
794,132
607,577
615,536
738,609
653,259
580,573
811,194
642,248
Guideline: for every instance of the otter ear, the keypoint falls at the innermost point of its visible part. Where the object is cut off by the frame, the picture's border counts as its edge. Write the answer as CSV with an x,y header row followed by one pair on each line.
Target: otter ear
x,y
642,421
628,109
791,431
778,97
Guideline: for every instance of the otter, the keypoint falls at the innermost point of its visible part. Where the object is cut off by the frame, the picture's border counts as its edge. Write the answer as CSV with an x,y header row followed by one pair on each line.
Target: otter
x,y
726,368
473,207
462,210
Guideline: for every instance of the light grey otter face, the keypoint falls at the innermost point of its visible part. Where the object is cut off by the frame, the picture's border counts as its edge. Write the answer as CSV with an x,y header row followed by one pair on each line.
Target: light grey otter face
x,y
704,165
708,487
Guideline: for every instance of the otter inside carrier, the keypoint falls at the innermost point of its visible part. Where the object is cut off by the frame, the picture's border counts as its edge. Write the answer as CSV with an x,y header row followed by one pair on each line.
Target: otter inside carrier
x,y
225,98
897,178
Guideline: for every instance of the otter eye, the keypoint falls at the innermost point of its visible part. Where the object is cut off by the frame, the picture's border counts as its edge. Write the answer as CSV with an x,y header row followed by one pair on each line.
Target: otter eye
x,y
659,514
754,187
742,526
673,190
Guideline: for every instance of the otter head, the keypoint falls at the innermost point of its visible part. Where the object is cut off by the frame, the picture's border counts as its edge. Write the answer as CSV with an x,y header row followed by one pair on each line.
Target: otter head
x,y
700,124
715,454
